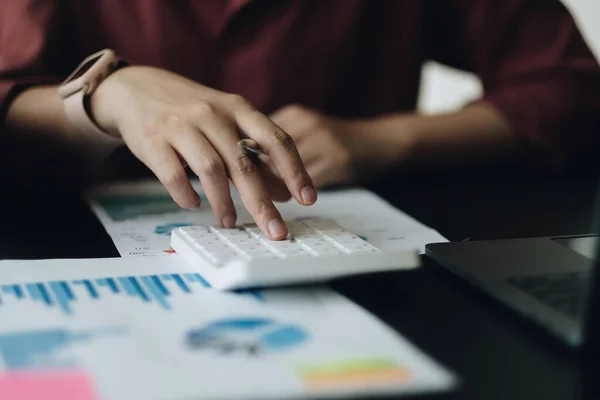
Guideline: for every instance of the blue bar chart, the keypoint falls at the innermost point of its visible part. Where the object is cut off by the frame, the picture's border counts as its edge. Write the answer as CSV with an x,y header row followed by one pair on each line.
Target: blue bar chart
x,y
35,349
152,289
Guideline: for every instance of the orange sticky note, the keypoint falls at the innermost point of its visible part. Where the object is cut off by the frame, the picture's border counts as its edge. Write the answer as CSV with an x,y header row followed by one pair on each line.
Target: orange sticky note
x,y
63,385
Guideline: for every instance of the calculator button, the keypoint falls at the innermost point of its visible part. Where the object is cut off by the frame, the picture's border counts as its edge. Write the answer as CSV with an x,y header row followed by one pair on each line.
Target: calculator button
x,y
323,224
314,243
194,228
327,251
308,236
254,248
256,233
228,233
282,246
297,254
216,247
290,249
296,228
356,241
200,235
241,241
361,248
341,235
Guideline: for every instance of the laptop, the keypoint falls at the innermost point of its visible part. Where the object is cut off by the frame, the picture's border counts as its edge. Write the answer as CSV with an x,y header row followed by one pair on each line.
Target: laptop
x,y
553,281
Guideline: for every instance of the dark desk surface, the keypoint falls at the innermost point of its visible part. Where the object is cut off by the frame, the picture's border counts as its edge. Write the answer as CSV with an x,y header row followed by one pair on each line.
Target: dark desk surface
x,y
496,354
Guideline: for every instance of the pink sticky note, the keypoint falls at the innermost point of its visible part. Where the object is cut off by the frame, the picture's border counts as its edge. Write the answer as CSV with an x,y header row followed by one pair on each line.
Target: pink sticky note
x,y
63,385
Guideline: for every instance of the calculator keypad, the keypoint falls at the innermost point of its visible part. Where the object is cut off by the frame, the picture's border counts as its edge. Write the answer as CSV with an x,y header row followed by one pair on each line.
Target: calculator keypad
x,y
316,237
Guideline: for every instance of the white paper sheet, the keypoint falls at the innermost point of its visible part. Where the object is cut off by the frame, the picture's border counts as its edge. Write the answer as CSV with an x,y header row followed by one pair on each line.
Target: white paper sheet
x,y
139,217
146,328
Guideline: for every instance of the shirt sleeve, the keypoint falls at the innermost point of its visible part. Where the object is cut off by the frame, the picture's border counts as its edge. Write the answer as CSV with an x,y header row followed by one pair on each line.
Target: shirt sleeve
x,y
33,46
534,65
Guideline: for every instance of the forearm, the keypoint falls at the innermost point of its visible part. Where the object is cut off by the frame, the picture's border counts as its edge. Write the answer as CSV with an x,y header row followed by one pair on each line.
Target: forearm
x,y
36,120
475,135
39,144
38,113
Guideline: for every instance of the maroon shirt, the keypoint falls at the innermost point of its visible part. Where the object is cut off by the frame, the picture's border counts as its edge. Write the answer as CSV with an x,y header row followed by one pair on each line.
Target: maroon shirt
x,y
342,57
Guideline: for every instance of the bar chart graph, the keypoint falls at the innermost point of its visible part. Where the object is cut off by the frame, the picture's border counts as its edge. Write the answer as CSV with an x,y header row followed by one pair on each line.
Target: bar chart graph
x,y
152,289
39,348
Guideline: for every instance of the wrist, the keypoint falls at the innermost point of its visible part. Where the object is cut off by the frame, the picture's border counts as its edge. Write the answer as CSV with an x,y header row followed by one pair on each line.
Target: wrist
x,y
105,103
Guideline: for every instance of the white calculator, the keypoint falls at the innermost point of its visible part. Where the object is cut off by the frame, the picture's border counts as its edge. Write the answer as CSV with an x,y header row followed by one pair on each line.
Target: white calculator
x,y
316,250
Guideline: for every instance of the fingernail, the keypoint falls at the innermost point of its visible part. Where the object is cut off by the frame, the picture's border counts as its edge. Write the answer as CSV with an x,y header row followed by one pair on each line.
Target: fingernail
x,y
229,221
308,194
276,228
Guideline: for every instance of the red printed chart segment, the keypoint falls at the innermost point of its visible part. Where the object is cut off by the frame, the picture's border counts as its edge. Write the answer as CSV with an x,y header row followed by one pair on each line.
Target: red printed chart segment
x,y
51,385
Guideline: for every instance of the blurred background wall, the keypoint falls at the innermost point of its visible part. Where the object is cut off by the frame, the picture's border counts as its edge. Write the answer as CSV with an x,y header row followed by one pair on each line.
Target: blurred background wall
x,y
445,89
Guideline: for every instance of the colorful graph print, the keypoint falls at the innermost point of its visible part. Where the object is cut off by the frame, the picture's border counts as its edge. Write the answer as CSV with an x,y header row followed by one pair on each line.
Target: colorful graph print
x,y
150,289
123,207
251,336
55,384
44,349
167,228
349,373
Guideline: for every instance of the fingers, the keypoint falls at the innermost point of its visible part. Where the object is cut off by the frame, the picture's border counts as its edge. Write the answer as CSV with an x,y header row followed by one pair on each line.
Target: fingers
x,y
310,153
246,178
202,158
280,148
316,163
164,162
275,186
319,172
296,120
244,173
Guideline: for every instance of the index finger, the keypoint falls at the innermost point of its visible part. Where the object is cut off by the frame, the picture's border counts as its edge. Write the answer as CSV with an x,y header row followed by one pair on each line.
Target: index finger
x,y
282,151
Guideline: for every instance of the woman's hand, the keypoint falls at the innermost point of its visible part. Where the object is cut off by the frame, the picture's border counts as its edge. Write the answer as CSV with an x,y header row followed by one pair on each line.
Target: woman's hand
x,y
168,121
337,151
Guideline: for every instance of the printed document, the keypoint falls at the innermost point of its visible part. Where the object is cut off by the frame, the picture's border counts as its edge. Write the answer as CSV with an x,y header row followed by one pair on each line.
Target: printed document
x,y
139,217
148,328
